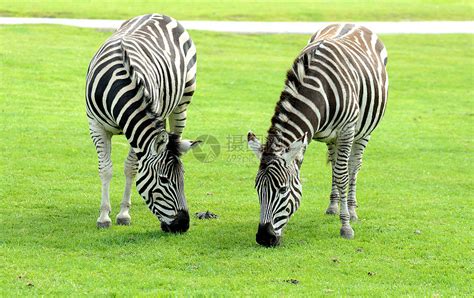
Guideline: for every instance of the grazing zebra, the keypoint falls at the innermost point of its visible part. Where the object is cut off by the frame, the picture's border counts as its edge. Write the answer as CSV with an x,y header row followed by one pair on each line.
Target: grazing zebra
x,y
144,74
336,93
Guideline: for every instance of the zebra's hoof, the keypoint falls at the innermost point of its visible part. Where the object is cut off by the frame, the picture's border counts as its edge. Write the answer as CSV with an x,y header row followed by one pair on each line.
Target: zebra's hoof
x,y
103,225
123,221
353,216
347,232
332,211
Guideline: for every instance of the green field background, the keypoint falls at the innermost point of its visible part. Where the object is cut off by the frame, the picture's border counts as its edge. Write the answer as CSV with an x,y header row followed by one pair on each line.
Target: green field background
x,y
300,10
415,190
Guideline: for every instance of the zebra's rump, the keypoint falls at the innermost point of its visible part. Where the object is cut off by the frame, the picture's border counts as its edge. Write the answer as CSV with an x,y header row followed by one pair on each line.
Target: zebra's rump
x,y
364,55
146,64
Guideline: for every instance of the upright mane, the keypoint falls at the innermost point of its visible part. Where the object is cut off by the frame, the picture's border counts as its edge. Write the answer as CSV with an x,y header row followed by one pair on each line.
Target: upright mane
x,y
274,141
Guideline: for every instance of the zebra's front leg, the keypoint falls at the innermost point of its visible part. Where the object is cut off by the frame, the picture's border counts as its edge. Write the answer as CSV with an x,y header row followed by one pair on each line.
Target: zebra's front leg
x,y
355,162
103,145
333,207
130,171
341,174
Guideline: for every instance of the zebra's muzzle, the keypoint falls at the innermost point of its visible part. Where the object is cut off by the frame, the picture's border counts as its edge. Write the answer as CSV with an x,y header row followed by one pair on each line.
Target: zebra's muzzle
x,y
266,235
180,223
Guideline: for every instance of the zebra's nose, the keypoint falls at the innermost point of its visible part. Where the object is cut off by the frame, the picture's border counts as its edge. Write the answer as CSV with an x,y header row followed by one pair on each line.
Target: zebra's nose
x,y
266,235
180,223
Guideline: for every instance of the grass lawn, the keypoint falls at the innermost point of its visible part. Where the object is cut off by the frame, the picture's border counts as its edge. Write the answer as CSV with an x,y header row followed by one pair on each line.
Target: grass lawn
x,y
245,10
417,175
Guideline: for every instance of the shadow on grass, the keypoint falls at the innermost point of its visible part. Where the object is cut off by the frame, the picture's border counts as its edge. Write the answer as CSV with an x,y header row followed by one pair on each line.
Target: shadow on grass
x,y
73,229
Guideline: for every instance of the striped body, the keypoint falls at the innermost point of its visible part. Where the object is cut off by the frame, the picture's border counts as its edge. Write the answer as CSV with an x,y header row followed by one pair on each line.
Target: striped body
x,y
336,92
339,78
143,76
119,97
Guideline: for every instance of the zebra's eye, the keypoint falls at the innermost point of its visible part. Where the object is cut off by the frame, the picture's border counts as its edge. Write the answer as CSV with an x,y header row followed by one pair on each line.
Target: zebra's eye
x,y
164,180
283,190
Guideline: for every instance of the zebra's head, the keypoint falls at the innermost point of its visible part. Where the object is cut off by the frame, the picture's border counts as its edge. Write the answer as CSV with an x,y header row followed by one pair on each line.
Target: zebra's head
x,y
278,186
160,181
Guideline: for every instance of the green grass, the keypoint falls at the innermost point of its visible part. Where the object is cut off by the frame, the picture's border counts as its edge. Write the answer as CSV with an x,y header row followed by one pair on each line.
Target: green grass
x,y
245,10
417,175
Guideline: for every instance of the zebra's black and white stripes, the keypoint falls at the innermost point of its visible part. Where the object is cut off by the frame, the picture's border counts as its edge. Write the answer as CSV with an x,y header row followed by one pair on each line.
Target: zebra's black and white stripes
x,y
142,76
336,92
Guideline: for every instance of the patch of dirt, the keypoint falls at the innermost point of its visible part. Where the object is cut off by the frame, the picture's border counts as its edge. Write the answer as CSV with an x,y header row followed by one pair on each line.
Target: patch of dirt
x,y
206,215
292,281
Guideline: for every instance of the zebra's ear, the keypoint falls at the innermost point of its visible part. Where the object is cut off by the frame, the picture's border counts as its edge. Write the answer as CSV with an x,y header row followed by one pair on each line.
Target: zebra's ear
x,y
254,144
160,142
296,150
186,145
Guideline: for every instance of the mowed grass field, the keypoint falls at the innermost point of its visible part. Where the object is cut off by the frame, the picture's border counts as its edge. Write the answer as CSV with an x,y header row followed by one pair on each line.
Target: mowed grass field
x,y
415,188
247,10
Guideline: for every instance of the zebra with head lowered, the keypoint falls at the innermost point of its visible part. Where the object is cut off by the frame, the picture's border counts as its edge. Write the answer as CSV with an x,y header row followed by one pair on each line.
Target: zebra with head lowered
x,y
336,92
142,76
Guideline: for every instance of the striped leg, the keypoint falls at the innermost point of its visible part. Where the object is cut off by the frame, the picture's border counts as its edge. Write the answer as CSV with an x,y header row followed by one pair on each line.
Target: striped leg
x,y
341,174
102,141
333,207
130,170
355,162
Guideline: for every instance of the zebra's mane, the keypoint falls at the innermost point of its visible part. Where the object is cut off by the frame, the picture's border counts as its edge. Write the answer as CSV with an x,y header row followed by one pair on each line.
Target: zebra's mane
x,y
274,141
174,144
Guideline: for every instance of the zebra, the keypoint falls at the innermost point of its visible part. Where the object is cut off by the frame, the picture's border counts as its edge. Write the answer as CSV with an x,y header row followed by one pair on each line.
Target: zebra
x,y
336,93
142,76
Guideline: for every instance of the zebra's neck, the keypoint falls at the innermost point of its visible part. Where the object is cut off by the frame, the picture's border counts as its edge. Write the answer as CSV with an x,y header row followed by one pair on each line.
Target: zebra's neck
x,y
287,124
139,124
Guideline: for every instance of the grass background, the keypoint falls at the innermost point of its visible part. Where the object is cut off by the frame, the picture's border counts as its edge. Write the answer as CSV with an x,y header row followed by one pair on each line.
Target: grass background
x,y
247,10
417,173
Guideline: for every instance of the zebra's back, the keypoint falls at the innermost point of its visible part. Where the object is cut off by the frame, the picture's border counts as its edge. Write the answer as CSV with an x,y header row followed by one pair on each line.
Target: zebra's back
x,y
337,79
145,66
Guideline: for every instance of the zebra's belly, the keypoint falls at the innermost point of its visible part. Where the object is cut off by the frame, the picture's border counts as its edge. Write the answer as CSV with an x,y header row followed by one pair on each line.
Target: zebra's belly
x,y
330,134
363,127
326,136
332,130
331,137
115,130
109,125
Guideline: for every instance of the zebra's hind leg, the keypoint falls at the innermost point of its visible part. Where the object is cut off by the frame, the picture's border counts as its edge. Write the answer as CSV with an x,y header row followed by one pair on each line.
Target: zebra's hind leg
x,y
333,207
102,141
355,162
341,174
130,170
